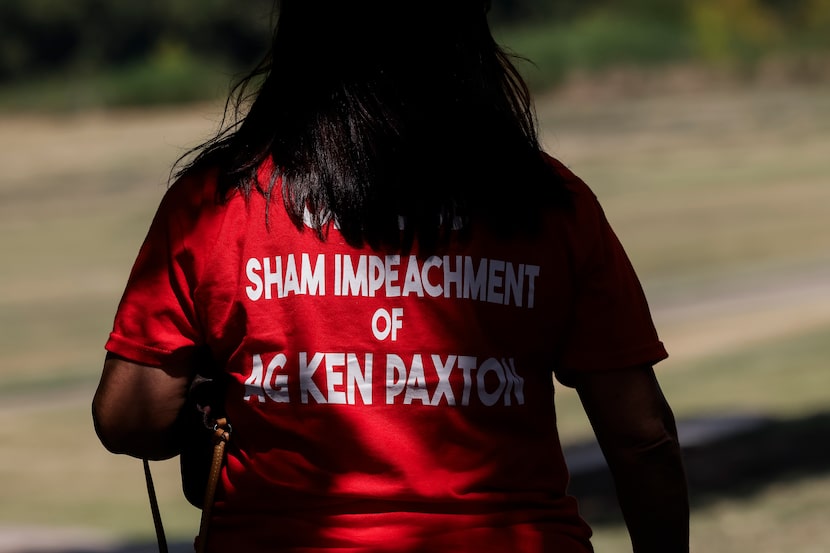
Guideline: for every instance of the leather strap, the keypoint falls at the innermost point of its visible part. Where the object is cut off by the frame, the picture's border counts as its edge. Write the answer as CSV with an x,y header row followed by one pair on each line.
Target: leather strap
x,y
221,434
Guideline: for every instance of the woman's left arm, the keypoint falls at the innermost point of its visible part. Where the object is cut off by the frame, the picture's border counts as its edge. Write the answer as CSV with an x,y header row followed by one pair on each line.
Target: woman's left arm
x,y
136,408
636,430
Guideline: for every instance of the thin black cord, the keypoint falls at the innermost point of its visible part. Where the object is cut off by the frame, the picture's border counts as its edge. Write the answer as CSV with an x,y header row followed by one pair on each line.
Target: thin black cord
x,y
154,507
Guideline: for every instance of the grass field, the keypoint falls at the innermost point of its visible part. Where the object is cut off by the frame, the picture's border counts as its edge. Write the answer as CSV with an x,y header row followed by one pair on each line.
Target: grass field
x,y
722,198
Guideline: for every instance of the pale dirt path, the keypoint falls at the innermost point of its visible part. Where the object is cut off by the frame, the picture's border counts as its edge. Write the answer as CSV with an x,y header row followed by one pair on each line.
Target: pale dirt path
x,y
745,309
68,540
20,539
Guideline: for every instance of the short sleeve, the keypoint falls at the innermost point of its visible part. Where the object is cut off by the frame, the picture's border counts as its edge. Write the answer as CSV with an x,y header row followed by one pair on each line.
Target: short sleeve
x,y
156,321
610,324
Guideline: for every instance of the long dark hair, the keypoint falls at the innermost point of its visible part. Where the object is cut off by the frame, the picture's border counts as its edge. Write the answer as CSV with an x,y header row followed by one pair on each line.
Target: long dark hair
x,y
374,113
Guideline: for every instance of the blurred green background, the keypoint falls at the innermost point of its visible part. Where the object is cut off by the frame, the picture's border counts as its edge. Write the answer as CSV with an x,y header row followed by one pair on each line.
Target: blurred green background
x,y
703,126
93,53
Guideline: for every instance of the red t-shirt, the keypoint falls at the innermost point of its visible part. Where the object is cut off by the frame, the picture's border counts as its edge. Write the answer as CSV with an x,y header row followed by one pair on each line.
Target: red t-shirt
x,y
385,402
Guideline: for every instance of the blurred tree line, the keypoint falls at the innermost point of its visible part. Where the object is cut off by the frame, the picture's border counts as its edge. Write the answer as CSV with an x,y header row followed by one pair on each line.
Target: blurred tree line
x,y
88,35
168,40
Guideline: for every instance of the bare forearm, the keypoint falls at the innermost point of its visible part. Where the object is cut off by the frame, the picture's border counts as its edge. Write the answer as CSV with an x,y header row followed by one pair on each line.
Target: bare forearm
x,y
653,496
637,432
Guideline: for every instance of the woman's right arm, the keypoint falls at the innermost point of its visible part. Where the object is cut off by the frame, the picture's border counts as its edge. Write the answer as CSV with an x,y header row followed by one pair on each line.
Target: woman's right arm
x,y
136,408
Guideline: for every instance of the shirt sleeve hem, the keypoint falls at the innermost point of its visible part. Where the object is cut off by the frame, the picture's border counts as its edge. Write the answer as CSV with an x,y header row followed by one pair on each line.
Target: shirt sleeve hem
x,y
143,354
646,355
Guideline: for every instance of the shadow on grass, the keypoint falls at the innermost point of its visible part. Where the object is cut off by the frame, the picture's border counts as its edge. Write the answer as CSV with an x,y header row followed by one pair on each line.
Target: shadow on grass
x,y
725,456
